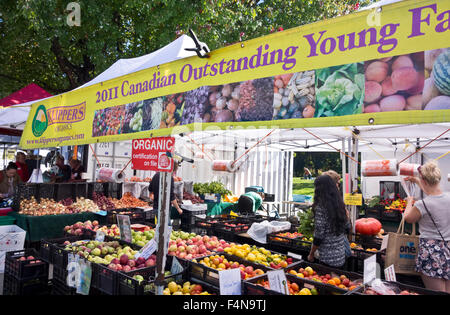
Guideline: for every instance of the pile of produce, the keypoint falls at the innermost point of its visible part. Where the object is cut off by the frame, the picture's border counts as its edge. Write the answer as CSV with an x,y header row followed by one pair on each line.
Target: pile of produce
x,y
294,95
185,246
187,289
140,238
192,198
339,281
30,259
258,255
109,121
129,201
152,113
136,179
394,83
256,100
211,188
221,263
85,205
77,228
102,201
379,287
66,202
294,288
394,204
436,92
287,235
116,256
357,246
196,105
45,207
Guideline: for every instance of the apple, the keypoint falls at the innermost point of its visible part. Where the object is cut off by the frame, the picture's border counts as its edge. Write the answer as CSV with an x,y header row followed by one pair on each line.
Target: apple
x,y
189,257
131,263
95,223
219,249
96,252
242,275
249,269
112,266
124,259
126,268
205,238
182,255
22,258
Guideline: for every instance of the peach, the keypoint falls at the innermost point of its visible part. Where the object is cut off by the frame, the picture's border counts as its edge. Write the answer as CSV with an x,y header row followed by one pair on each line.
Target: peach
x,y
402,62
404,78
377,71
372,91
418,88
372,108
392,103
414,102
387,87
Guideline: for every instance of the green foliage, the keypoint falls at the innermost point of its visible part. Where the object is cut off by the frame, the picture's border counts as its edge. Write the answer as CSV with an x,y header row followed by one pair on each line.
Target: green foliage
x,y
303,186
316,161
38,46
306,223
211,188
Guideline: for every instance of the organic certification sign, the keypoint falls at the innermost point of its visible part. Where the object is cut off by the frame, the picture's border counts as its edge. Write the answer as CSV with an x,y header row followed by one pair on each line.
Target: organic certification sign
x,y
153,154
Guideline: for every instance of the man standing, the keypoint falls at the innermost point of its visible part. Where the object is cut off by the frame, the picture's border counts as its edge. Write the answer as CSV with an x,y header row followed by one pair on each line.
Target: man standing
x,y
64,173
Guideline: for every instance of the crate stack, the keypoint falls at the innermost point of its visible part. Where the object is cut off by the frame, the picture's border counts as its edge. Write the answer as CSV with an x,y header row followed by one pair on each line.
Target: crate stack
x,y
25,273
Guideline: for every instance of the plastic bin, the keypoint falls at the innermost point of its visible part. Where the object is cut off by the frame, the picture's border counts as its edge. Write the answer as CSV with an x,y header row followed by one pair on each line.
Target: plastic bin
x,y
61,288
33,286
211,275
136,215
104,279
25,269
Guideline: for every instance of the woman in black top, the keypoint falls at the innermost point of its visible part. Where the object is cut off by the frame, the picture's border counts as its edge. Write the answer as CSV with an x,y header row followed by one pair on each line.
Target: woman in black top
x,y
77,169
330,223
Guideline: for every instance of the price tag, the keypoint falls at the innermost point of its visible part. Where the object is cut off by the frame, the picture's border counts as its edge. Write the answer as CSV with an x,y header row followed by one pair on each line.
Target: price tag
x,y
187,202
353,199
389,273
100,236
230,282
385,242
278,281
123,221
299,257
147,250
370,269
103,213
176,267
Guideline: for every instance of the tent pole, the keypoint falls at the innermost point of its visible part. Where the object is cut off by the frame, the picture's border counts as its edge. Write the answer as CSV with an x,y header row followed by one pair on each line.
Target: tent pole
x,y
344,166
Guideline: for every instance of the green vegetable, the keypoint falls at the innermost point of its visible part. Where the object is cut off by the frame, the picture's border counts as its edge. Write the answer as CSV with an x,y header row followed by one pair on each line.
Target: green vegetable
x,y
306,223
211,188
340,90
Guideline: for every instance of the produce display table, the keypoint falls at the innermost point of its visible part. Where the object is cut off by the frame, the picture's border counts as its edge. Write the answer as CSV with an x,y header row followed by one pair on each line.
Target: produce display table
x,y
220,208
51,226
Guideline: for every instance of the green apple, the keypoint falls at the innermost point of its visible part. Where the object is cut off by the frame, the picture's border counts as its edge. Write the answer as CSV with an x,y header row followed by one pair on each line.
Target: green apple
x,y
110,250
104,251
140,243
96,252
90,245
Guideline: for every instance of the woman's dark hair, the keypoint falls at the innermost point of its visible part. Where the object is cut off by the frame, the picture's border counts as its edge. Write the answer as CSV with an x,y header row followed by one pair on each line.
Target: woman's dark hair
x,y
327,196
11,165
245,204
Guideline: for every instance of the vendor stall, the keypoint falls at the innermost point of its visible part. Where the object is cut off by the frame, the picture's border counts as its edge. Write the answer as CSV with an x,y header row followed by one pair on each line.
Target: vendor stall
x,y
260,96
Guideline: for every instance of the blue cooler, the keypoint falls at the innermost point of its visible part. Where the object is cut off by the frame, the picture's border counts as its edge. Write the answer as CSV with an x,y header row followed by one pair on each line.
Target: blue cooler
x,y
257,189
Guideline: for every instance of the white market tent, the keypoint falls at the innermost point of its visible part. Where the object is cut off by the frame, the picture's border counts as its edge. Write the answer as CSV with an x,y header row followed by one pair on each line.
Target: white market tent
x,y
16,116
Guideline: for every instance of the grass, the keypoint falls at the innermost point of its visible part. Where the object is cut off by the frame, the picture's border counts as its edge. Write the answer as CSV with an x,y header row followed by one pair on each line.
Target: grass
x,y
303,186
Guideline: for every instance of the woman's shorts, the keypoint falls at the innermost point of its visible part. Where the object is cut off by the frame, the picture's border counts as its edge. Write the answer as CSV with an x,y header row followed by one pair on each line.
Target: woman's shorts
x,y
433,259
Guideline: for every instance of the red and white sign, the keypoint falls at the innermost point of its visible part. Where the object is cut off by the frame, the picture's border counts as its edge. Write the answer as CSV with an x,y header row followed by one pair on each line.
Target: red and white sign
x,y
151,154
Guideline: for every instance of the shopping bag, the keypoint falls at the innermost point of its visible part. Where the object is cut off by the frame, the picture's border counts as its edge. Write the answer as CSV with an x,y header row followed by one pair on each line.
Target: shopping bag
x,y
402,250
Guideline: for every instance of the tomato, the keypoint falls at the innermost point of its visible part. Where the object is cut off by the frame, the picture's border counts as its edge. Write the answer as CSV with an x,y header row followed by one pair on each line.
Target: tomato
x,y
367,226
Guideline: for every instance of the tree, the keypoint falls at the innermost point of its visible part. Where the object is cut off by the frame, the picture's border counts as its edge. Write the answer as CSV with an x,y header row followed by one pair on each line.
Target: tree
x,y
37,45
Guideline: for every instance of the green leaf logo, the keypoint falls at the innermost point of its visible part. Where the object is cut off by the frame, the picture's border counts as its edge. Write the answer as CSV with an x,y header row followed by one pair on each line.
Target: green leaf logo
x,y
40,121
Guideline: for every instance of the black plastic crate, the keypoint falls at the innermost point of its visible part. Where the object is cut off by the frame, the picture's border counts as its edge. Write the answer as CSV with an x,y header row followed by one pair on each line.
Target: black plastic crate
x,y
211,275
399,287
241,226
33,286
104,279
320,269
293,244
24,191
47,191
61,288
136,215
251,286
46,251
25,269
269,197
391,215
375,212
127,285
188,218
59,254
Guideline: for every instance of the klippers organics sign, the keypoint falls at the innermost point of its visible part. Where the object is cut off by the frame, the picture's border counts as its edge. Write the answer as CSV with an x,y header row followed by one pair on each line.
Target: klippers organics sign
x,y
322,74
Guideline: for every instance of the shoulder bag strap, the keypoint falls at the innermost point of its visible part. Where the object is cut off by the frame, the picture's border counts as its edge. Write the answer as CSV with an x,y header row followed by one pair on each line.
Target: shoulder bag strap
x,y
431,217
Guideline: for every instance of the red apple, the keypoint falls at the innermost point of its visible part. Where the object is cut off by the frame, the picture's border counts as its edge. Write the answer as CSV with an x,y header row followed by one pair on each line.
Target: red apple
x,y
126,268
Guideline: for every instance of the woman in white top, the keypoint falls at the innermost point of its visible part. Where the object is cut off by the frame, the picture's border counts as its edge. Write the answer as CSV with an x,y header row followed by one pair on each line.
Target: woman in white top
x,y
433,215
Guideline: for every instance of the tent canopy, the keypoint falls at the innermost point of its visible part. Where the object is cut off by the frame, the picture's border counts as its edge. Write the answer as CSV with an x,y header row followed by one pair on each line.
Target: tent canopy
x,y
17,115
29,93
379,138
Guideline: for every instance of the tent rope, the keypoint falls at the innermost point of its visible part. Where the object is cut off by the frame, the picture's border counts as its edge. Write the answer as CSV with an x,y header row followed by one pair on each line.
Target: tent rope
x,y
361,139
95,155
429,142
192,140
332,146
440,157
259,141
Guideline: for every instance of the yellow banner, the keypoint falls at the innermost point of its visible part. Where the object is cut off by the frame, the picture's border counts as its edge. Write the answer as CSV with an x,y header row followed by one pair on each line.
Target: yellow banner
x,y
353,199
352,70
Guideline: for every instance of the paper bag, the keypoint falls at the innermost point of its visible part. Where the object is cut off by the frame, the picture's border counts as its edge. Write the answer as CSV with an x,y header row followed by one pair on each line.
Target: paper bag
x,y
402,250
